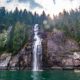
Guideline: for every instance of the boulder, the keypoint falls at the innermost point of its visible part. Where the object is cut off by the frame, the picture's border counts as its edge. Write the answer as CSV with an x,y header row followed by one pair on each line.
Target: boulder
x,y
4,60
76,58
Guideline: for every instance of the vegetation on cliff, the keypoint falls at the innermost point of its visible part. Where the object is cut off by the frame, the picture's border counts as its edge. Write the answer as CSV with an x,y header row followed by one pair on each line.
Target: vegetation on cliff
x,y
69,22
21,22
16,28
3,39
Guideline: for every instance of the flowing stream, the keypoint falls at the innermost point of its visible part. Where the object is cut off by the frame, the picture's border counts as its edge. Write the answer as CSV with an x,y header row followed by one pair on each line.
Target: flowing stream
x,y
37,49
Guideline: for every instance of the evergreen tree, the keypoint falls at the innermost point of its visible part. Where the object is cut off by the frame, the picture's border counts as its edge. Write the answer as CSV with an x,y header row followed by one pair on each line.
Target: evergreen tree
x,y
19,36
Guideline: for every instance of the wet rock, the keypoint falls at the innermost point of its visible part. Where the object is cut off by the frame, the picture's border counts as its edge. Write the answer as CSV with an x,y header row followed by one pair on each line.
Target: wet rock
x,y
77,63
76,58
76,55
71,45
59,49
4,60
22,60
68,62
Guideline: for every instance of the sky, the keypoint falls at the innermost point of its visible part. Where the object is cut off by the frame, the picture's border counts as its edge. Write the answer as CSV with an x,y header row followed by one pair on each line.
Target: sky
x,y
49,6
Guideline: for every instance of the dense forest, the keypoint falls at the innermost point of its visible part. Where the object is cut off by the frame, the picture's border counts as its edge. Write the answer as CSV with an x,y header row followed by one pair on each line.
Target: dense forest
x,y
69,22
25,17
15,27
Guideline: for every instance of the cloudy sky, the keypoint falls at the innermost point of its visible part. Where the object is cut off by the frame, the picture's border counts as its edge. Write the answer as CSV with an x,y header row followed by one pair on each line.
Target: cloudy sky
x,y
49,6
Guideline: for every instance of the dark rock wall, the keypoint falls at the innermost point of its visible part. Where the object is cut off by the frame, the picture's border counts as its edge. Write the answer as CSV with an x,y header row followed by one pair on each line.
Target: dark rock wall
x,y
23,59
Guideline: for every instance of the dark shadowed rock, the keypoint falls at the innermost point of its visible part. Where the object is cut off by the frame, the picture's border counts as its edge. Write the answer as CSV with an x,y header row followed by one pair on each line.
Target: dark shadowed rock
x,y
22,60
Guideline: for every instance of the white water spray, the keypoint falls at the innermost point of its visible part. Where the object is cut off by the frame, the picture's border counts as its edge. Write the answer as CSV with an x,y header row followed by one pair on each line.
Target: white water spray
x,y
37,49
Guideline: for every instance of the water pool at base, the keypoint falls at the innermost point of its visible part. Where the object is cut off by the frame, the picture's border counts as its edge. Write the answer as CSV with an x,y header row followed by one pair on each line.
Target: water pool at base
x,y
39,75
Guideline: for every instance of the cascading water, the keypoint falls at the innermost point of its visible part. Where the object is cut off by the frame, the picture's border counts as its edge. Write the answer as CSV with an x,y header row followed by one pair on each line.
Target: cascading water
x,y
37,49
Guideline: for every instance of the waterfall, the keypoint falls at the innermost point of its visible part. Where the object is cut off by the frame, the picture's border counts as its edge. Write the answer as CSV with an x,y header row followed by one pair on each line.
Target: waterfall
x,y
37,49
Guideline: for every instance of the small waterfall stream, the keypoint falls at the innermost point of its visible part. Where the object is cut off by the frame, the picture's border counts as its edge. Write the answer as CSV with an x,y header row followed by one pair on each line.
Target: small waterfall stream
x,y
37,49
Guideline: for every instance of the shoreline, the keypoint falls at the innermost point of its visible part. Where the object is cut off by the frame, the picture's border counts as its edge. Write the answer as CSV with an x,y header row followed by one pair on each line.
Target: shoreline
x,y
51,68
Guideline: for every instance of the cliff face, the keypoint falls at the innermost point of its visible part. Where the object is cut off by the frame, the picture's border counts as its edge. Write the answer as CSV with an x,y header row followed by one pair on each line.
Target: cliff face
x,y
20,61
4,60
23,59
59,51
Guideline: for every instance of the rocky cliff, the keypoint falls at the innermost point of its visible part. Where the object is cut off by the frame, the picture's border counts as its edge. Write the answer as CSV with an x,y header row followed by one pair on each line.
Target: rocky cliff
x,y
59,50
20,61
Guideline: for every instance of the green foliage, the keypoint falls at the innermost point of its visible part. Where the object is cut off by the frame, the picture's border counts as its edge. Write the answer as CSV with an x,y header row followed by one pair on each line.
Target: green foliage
x,y
26,17
19,36
21,22
69,23
13,39
3,39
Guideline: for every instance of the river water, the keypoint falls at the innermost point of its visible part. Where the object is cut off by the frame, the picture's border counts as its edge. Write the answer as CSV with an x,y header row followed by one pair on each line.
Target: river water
x,y
39,75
